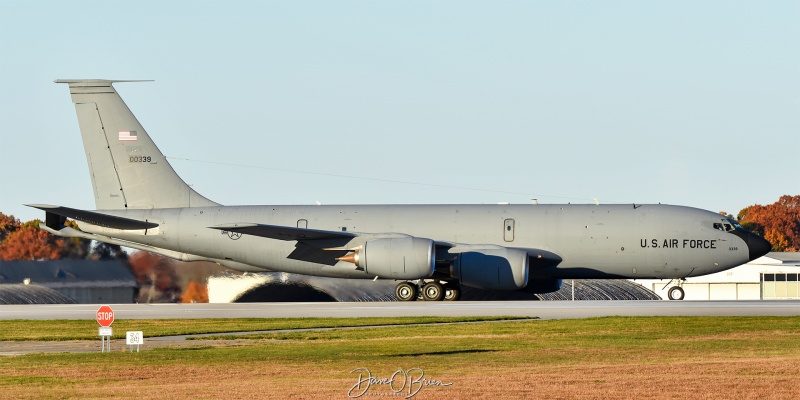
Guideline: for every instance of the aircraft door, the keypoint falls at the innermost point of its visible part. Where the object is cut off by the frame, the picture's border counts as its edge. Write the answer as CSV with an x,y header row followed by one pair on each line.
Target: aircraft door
x,y
302,223
508,230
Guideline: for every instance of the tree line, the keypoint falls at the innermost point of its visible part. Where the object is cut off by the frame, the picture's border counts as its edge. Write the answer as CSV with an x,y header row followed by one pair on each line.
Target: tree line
x,y
778,222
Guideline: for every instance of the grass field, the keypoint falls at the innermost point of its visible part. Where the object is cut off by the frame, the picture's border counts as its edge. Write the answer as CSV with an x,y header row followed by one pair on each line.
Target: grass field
x,y
21,330
651,357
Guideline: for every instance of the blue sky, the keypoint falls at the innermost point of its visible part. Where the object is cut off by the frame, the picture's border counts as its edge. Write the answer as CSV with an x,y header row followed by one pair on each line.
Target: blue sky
x,y
682,102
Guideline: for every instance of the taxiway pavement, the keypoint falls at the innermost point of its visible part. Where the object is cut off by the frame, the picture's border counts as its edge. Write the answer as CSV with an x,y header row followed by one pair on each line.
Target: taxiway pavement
x,y
540,309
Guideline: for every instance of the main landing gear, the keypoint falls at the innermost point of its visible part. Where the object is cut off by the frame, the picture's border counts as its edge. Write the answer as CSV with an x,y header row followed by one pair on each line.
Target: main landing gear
x,y
428,291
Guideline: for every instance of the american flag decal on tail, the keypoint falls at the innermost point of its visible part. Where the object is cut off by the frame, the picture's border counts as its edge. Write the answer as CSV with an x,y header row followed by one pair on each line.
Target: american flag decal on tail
x,y
127,136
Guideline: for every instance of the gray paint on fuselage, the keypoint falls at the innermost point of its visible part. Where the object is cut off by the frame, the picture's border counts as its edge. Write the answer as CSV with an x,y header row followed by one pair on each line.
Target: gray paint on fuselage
x,y
590,241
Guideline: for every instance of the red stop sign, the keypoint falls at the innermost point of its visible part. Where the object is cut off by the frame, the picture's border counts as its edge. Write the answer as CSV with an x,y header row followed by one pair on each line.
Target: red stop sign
x,y
105,316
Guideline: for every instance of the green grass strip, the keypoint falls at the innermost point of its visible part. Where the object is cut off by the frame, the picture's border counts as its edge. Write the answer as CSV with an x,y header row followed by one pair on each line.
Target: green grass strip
x,y
46,330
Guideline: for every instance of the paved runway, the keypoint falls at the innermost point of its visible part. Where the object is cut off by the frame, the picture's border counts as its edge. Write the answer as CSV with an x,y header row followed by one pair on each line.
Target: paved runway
x,y
541,309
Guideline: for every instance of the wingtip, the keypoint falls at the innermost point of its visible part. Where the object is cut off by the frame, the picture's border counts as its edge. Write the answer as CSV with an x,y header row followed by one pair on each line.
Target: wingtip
x,y
42,206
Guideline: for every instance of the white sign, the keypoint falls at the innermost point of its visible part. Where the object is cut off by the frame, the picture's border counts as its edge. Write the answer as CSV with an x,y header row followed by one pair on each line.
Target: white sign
x,y
105,331
134,338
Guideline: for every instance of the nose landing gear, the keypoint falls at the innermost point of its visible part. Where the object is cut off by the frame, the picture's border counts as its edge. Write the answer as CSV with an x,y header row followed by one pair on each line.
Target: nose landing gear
x,y
676,292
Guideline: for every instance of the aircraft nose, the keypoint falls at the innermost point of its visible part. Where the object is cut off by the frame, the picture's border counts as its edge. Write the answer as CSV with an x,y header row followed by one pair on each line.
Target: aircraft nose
x,y
758,246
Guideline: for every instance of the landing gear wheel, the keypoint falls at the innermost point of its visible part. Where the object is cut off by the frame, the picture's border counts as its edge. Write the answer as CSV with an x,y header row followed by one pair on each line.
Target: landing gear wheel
x,y
675,293
452,292
405,291
432,291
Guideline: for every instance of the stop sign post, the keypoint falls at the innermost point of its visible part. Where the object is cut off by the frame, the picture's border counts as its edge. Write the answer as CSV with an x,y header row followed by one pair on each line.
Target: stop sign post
x,y
105,317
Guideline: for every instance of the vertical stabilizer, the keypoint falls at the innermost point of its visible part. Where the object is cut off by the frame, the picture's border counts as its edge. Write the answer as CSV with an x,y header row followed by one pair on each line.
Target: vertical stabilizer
x,y
128,171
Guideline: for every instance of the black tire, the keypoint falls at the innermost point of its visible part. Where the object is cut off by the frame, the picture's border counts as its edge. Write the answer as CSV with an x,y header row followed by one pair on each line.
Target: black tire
x,y
675,293
406,291
432,291
452,292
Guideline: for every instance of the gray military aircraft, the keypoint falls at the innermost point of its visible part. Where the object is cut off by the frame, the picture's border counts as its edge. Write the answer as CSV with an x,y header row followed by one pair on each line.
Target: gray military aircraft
x,y
432,250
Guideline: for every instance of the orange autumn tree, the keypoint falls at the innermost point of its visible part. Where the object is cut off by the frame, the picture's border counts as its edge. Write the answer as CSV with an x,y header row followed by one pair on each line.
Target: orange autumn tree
x,y
778,222
195,293
157,274
28,242
8,224
25,241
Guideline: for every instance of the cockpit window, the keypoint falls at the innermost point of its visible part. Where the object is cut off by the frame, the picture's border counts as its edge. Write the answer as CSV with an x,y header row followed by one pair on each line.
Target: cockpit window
x,y
728,226
735,224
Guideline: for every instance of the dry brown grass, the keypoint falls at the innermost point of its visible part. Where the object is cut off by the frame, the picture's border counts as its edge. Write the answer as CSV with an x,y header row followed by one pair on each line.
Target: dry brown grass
x,y
694,379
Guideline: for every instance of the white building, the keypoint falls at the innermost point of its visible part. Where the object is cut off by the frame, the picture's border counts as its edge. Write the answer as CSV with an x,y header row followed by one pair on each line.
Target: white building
x,y
771,277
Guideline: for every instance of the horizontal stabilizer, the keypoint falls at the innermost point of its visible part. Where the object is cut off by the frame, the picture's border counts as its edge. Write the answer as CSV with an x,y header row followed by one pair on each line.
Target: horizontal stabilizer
x,y
90,82
93,217
283,232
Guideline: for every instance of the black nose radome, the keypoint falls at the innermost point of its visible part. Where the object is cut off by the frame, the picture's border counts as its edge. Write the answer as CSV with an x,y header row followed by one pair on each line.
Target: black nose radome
x,y
758,246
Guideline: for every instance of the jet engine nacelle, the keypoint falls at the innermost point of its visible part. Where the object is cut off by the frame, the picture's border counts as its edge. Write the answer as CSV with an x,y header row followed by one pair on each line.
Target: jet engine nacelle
x,y
492,269
397,258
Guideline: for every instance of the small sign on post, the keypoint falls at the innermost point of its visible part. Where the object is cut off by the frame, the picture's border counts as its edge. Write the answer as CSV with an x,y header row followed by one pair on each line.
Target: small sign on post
x,y
105,339
134,338
105,317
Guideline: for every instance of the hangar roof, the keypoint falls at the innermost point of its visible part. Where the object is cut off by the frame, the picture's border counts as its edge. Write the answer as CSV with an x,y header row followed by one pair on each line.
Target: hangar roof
x,y
778,258
32,294
67,273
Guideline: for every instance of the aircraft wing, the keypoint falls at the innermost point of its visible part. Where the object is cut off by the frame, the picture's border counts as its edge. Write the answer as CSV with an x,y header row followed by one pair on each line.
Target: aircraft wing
x,y
313,245
95,218
283,232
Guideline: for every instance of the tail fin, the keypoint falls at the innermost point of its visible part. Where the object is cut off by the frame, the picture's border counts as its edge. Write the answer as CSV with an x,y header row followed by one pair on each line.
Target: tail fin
x,y
128,170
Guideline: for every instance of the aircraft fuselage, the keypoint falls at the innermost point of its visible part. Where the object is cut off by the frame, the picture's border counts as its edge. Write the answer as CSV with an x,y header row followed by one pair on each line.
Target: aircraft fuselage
x,y
575,241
